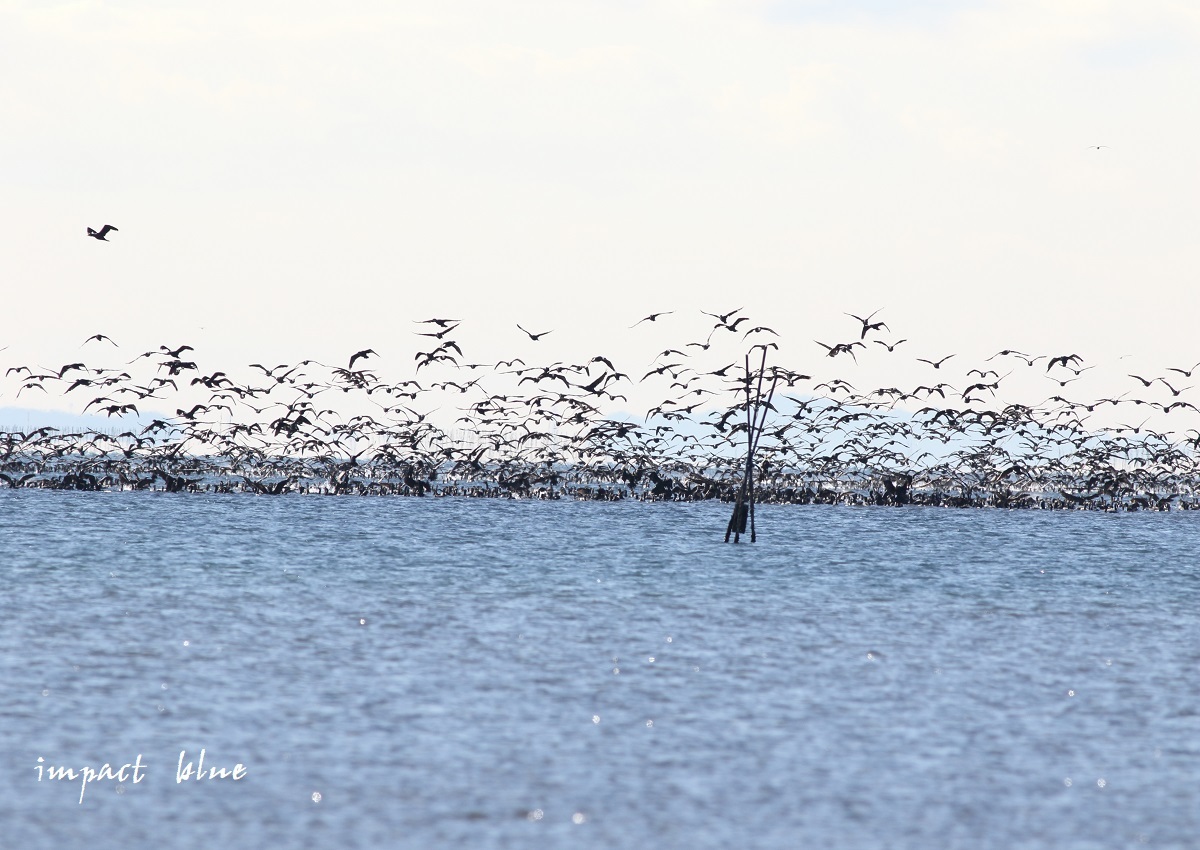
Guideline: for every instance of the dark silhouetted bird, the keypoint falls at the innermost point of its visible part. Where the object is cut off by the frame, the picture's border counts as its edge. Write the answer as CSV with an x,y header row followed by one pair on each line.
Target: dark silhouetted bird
x,y
867,324
101,233
651,318
533,336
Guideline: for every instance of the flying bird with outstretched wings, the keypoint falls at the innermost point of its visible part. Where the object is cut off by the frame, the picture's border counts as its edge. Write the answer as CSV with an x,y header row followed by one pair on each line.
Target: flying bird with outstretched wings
x,y
102,233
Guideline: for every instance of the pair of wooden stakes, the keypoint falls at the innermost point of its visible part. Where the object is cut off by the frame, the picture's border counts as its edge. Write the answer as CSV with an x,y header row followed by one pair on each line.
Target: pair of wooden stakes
x,y
756,417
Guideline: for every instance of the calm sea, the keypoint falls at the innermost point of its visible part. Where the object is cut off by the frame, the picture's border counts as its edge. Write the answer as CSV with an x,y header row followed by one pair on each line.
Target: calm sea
x,y
422,673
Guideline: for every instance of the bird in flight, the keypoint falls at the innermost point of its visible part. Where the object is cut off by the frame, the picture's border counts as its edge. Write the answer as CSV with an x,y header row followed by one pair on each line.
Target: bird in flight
x,y
1174,391
440,334
841,348
652,317
1187,373
360,355
1064,359
867,324
101,233
98,338
938,364
722,319
533,336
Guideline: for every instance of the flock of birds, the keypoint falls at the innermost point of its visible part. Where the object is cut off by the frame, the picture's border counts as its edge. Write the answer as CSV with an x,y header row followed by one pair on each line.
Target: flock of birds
x,y
521,428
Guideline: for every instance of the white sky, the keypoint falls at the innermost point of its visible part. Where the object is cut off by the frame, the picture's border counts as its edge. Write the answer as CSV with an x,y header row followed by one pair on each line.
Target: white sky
x,y
304,179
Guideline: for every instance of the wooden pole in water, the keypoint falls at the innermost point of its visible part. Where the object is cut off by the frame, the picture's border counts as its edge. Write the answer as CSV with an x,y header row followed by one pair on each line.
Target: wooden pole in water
x,y
750,440
737,522
748,475
757,432
756,414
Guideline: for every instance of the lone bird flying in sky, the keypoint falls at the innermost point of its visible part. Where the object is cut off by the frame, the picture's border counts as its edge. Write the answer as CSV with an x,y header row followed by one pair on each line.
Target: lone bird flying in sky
x,y
533,336
936,364
651,318
101,233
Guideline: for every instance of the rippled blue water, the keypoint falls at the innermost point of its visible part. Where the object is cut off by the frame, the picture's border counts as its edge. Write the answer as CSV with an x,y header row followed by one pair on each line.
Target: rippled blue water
x,y
485,674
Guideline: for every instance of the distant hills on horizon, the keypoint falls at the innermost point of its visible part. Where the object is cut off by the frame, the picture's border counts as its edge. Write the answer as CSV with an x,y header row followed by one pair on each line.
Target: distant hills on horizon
x,y
26,419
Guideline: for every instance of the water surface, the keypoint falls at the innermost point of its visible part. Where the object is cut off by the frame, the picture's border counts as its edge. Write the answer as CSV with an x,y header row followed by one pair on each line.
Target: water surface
x,y
483,673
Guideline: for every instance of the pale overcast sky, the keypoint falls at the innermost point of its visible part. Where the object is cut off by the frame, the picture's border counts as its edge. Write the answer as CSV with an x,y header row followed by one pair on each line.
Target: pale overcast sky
x,y
304,179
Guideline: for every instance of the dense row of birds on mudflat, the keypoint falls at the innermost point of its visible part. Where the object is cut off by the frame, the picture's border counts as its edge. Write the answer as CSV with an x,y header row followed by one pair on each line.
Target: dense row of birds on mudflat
x,y
523,428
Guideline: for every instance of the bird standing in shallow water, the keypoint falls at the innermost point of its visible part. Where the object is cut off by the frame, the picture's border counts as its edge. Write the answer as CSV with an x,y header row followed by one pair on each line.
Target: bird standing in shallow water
x,y
100,234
